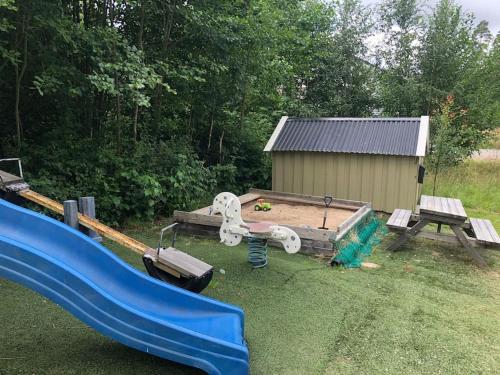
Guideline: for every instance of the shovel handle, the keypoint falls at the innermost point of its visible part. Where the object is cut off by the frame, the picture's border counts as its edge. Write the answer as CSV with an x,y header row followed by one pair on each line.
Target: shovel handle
x,y
328,200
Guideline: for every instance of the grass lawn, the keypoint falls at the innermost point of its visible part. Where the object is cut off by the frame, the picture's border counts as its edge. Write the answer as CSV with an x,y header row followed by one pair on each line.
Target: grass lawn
x,y
426,310
477,184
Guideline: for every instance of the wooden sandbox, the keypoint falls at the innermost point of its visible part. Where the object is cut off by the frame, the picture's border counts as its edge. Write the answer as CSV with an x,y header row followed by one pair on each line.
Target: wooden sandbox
x,y
301,213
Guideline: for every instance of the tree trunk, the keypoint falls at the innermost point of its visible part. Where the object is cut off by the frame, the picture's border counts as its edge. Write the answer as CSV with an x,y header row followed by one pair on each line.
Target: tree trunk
x,y
140,44
104,12
220,146
118,124
243,103
167,24
86,14
210,132
436,171
140,35
135,120
434,183
21,37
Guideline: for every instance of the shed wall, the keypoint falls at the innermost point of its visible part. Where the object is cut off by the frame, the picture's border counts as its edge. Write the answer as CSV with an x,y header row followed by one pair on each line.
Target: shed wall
x,y
388,181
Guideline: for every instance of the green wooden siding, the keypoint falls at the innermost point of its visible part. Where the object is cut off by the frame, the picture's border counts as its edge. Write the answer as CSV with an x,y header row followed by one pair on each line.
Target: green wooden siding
x,y
388,182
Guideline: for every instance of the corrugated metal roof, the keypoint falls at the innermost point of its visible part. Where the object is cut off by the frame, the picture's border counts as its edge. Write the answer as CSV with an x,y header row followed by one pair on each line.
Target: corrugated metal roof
x,y
386,136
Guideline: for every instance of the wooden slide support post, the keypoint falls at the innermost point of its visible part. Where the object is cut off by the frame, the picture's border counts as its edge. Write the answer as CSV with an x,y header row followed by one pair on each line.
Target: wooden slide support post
x,y
86,206
71,214
233,228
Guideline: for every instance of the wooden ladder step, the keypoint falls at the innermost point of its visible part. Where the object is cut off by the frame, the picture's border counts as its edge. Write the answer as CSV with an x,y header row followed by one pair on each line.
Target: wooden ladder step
x,y
399,219
485,231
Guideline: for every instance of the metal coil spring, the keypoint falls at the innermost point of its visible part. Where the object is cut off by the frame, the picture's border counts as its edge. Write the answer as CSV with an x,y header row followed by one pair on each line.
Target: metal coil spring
x,y
257,252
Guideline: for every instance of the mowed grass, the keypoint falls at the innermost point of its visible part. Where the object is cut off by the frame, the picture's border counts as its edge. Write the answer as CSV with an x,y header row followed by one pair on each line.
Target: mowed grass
x,y
426,310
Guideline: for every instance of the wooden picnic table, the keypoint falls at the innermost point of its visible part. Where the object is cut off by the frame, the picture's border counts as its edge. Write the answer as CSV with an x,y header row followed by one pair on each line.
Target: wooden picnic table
x,y
433,210
447,209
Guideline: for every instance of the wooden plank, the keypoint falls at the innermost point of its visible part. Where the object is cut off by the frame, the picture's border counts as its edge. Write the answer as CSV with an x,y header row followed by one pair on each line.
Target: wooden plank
x,y
288,172
406,234
477,258
443,237
307,174
7,178
493,233
308,246
350,222
393,183
151,253
182,262
440,206
298,167
417,227
443,219
399,219
195,218
484,231
307,198
245,198
87,222
309,202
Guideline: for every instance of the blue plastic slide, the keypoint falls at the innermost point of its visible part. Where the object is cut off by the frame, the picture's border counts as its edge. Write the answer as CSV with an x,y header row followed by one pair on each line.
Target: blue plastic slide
x,y
117,300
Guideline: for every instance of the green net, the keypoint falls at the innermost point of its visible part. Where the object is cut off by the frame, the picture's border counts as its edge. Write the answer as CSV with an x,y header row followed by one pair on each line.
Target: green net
x,y
359,241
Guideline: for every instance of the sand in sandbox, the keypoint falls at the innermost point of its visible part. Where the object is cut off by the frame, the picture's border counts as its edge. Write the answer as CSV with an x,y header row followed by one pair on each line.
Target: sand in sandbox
x,y
296,214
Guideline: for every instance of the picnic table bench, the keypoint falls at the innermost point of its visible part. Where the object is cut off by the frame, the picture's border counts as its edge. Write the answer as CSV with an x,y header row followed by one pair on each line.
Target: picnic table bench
x,y
443,211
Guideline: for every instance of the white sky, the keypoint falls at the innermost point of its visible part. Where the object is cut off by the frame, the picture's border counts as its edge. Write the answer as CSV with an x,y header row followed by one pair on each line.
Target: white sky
x,y
488,10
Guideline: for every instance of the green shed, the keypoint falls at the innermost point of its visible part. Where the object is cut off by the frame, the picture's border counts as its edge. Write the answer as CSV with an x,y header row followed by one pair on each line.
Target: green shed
x,y
374,160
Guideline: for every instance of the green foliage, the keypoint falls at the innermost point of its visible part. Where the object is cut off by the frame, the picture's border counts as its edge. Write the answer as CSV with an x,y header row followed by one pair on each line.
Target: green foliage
x,y
342,83
157,105
449,49
479,89
399,82
453,138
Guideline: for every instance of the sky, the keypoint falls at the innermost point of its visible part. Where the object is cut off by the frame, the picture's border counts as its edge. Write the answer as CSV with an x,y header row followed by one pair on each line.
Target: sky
x,y
488,10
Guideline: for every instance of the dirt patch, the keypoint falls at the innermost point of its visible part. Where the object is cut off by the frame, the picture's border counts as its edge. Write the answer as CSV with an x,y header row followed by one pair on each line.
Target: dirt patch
x,y
369,265
408,268
300,215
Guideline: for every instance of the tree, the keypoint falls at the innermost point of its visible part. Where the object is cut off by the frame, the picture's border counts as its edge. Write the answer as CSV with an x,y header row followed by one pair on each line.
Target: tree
x,y
448,50
342,84
453,138
479,89
401,26
171,100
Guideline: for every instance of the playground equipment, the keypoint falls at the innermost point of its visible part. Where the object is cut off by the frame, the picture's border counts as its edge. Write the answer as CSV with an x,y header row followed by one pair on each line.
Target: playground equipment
x,y
170,264
328,201
159,262
262,205
104,292
233,229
